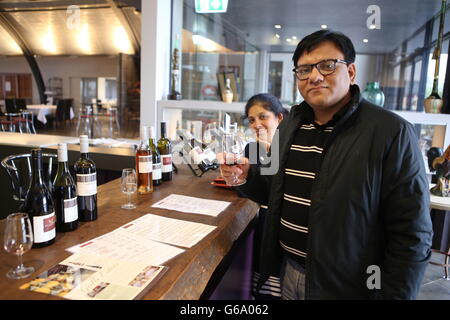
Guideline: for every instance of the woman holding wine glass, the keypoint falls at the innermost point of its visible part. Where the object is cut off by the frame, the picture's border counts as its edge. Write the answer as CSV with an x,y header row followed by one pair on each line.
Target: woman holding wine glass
x,y
264,113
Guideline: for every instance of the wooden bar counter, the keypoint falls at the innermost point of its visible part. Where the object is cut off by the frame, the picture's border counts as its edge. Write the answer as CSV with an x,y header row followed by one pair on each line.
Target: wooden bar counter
x,y
188,273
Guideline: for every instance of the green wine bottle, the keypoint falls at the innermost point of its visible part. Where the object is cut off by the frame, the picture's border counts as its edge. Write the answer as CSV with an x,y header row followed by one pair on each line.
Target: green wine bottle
x,y
165,150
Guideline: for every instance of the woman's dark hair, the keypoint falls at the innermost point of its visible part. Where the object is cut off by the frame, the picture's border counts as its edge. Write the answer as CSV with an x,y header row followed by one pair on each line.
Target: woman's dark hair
x,y
310,42
268,102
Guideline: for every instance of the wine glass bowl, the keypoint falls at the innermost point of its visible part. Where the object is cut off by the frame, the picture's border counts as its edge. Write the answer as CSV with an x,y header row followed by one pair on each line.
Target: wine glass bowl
x,y
128,186
18,239
233,148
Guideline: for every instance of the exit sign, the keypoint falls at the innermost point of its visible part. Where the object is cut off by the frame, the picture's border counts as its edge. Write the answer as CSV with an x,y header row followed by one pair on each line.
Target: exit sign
x,y
211,6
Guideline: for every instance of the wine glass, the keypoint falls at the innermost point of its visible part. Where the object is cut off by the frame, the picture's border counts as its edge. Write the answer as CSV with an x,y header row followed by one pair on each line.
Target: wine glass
x,y
233,147
129,186
18,240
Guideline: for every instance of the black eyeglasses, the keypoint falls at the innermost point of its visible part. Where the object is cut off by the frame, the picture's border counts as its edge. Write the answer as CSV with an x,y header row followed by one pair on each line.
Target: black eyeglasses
x,y
325,68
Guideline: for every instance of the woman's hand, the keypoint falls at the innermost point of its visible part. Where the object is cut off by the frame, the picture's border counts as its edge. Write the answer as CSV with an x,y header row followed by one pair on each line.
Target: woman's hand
x,y
236,169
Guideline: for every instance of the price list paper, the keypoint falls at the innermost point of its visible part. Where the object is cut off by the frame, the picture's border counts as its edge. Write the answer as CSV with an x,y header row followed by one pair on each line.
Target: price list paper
x,y
182,203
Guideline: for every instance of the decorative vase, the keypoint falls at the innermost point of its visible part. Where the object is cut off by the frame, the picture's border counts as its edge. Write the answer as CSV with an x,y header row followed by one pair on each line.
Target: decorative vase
x,y
175,77
228,93
434,103
373,94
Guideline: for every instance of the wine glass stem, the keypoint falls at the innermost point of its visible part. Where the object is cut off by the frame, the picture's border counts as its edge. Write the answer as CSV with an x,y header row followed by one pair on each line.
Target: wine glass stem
x,y
20,263
129,198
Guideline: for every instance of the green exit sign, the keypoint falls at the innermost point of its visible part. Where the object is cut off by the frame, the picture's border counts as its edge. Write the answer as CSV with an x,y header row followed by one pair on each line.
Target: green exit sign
x,y
211,6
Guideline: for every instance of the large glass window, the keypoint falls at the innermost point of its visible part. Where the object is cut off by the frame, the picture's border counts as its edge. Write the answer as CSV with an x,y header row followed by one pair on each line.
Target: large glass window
x,y
213,50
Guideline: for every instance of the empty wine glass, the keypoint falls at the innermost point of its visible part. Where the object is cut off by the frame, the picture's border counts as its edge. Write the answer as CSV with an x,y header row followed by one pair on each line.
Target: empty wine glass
x,y
128,186
233,147
18,240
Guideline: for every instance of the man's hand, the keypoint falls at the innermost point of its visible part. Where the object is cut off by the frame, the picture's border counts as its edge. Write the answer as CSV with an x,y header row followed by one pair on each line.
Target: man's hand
x,y
233,169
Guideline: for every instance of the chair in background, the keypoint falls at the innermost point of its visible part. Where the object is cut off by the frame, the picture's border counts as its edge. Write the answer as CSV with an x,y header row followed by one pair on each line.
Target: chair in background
x,y
10,106
21,104
26,122
59,116
6,124
13,114
18,168
68,106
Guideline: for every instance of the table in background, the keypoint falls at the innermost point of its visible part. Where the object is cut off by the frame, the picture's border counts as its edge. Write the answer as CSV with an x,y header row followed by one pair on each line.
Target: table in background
x,y
41,111
441,203
189,273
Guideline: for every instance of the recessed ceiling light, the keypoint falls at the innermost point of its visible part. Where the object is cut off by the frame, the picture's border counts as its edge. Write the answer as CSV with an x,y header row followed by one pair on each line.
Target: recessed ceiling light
x,y
277,35
365,40
372,26
277,26
288,39
294,38
324,26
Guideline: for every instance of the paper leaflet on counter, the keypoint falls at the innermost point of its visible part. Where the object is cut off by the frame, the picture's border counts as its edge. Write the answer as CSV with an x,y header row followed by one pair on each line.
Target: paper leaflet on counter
x,y
109,280
192,205
161,232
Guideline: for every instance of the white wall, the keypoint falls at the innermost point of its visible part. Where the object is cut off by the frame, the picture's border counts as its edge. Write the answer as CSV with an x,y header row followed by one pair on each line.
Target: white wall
x,y
366,66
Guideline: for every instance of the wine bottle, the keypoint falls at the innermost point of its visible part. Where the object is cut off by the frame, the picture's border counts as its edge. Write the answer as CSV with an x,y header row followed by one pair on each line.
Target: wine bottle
x,y
65,194
86,183
156,158
39,205
165,150
144,163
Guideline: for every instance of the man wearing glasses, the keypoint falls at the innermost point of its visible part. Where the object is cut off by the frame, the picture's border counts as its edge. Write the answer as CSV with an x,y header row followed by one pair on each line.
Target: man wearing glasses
x,y
349,206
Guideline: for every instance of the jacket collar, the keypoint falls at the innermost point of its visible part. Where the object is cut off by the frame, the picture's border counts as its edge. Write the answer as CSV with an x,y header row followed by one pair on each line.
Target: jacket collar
x,y
306,113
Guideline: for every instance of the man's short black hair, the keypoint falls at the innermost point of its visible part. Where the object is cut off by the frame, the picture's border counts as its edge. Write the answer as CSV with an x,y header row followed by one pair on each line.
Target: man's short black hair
x,y
310,42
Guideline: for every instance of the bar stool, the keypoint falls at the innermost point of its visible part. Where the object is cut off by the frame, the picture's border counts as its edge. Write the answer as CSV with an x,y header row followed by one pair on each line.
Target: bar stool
x,y
18,168
5,124
13,119
26,120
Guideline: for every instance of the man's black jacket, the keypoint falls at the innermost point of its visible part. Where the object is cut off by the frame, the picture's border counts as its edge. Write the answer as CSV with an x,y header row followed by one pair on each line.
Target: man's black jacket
x,y
369,206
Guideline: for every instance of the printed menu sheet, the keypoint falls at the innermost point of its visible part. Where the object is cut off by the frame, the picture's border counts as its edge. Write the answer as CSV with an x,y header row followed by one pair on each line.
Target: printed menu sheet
x,y
121,263
110,280
132,240
122,245
171,231
192,205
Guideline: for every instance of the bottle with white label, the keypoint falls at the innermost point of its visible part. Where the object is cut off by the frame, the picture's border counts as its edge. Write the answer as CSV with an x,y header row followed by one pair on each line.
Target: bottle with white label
x,y
157,172
65,194
86,173
39,204
144,164
165,150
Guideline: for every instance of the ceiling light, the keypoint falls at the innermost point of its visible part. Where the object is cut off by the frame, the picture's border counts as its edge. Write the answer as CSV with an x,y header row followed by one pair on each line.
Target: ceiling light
x,y
277,35
324,26
277,26
365,40
372,26
288,39
121,40
294,38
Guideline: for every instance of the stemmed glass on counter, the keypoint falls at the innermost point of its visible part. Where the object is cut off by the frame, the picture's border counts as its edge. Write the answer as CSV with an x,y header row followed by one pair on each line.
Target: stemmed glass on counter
x,y
233,147
129,186
18,239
